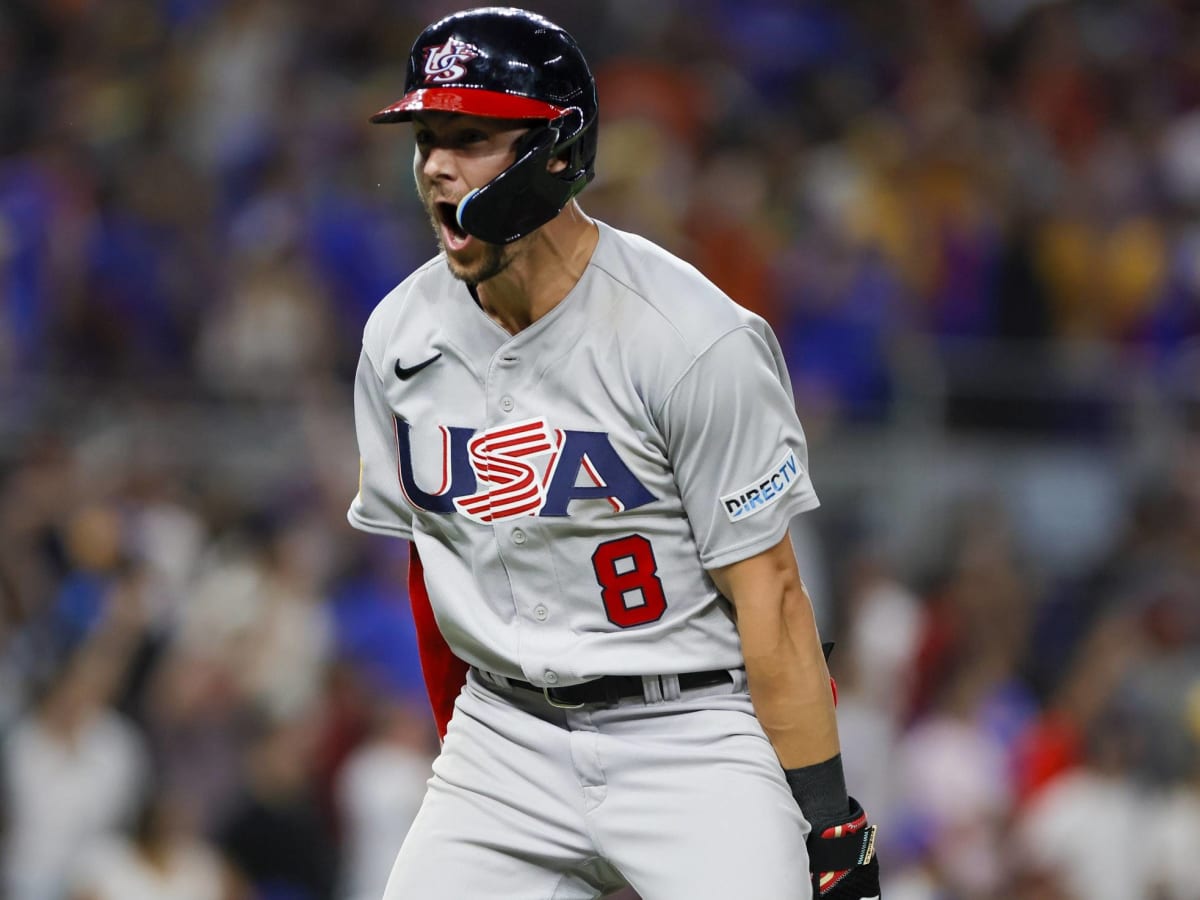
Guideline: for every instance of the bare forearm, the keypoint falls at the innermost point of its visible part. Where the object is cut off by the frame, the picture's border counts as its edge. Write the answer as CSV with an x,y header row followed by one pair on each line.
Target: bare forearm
x,y
789,686
789,682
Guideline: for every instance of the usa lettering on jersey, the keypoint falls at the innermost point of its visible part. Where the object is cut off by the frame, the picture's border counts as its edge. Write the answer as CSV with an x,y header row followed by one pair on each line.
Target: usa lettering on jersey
x,y
524,469
757,496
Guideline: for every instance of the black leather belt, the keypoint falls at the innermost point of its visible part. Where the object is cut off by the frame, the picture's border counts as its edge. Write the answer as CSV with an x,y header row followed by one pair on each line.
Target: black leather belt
x,y
613,688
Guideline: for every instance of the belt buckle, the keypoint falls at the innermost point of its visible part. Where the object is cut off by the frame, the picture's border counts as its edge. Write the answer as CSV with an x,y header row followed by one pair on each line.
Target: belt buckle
x,y
558,704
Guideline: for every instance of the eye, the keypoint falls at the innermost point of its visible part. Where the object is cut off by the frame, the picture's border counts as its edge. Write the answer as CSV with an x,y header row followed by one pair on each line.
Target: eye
x,y
472,136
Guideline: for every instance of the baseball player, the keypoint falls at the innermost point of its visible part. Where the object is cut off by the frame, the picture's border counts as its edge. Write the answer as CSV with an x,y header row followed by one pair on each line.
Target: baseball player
x,y
595,456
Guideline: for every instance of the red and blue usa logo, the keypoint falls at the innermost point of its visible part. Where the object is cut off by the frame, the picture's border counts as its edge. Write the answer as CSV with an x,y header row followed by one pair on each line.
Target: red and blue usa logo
x,y
523,469
446,62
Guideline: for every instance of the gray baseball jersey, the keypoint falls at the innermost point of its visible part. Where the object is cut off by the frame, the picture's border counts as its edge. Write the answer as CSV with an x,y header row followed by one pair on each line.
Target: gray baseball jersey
x,y
568,486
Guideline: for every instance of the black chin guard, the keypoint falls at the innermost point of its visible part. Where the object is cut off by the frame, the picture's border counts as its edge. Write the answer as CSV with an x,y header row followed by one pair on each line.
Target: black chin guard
x,y
525,196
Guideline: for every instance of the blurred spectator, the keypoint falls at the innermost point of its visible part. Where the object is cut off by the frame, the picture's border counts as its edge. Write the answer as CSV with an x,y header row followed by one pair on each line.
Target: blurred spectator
x,y
729,233
167,537
237,73
72,770
34,495
160,858
372,618
874,665
275,836
955,792
1177,828
256,612
954,769
194,721
379,791
1077,831
271,335
94,553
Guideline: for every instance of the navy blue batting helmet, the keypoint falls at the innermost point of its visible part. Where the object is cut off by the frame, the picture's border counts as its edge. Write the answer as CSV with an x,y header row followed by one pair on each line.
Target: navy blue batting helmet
x,y
509,63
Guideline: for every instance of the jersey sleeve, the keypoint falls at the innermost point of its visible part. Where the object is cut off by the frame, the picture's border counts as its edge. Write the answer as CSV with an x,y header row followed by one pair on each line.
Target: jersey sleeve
x,y
737,447
377,506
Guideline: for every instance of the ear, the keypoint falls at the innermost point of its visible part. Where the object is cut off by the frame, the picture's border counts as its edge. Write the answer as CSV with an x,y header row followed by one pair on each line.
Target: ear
x,y
556,165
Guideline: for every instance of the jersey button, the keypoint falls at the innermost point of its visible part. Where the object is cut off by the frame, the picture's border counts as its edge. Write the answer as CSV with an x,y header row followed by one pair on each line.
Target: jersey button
x,y
518,536
507,404
550,676
541,613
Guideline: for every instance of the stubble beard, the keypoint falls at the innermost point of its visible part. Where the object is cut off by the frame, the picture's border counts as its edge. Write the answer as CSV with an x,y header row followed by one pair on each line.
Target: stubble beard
x,y
493,260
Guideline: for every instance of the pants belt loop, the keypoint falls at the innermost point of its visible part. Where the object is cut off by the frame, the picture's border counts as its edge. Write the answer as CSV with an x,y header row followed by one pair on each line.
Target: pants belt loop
x,y
652,691
670,686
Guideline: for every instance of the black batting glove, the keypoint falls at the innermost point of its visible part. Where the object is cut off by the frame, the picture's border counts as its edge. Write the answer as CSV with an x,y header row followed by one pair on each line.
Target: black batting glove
x,y
842,859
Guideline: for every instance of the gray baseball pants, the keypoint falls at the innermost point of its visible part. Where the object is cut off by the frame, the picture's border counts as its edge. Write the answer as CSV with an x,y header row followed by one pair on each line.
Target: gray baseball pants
x,y
682,798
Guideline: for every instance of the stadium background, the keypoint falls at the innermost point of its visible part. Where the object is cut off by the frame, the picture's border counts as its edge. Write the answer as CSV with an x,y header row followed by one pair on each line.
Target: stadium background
x,y
975,226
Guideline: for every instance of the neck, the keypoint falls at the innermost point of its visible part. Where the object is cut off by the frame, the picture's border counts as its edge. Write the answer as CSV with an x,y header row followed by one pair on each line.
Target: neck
x,y
544,268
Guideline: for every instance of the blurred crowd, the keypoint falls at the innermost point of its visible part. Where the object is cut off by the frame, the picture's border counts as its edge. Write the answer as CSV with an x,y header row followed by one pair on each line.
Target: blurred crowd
x,y
200,700
208,683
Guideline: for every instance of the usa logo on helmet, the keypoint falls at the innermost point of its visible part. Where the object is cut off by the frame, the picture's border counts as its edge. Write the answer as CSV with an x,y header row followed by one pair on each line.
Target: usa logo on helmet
x,y
445,63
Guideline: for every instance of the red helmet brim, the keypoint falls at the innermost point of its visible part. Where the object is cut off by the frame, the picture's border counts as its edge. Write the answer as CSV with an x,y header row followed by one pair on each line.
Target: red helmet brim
x,y
468,101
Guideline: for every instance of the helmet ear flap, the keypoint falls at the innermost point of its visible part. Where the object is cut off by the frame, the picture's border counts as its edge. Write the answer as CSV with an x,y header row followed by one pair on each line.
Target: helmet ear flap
x,y
523,197
540,134
527,194
577,146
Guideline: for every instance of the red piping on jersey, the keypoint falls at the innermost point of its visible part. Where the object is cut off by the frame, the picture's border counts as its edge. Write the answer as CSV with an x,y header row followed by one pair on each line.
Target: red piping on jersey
x,y
445,460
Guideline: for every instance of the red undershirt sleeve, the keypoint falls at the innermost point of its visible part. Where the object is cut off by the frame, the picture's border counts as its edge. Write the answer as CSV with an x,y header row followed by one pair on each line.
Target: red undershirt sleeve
x,y
445,674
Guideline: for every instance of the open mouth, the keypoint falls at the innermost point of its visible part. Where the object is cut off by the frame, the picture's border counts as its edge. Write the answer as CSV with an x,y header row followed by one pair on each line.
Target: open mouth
x,y
453,235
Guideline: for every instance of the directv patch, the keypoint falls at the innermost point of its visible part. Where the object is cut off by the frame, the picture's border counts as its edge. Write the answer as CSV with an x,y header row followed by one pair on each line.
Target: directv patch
x,y
759,495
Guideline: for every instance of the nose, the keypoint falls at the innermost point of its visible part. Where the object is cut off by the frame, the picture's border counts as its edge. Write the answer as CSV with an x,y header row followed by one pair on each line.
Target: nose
x,y
439,164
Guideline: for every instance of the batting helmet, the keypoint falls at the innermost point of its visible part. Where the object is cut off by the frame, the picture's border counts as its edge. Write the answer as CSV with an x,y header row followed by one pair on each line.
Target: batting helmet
x,y
510,64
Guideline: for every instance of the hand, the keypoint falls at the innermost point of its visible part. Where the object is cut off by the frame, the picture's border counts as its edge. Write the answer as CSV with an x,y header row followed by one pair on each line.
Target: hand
x,y
843,861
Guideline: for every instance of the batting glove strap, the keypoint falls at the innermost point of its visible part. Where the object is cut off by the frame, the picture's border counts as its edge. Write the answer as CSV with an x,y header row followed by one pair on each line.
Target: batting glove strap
x,y
841,849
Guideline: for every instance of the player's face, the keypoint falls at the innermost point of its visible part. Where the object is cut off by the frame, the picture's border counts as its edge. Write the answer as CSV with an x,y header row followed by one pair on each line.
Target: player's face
x,y
455,154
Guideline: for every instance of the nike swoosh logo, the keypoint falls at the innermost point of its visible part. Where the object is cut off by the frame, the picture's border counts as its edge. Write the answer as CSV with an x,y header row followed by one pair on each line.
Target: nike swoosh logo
x,y
406,373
